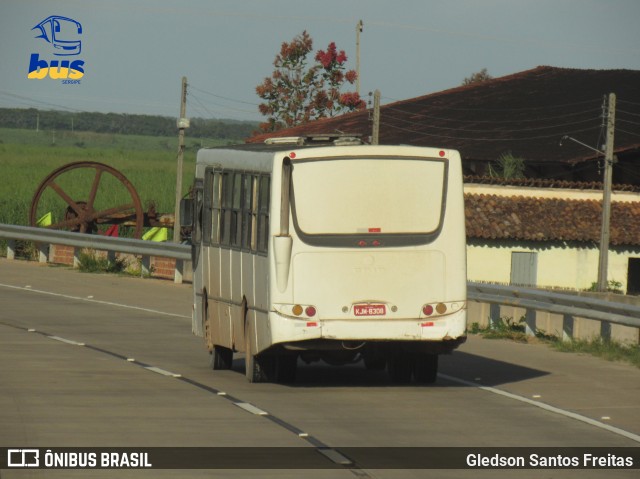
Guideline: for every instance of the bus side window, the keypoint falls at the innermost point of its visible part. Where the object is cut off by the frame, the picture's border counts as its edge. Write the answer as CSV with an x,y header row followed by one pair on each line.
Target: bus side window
x,y
255,182
247,208
207,205
225,210
263,215
236,211
214,214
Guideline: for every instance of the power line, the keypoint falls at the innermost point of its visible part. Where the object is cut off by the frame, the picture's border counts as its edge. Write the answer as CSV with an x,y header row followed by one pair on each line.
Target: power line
x,y
24,98
222,97
628,113
507,120
628,103
627,132
482,139
620,120
532,108
492,130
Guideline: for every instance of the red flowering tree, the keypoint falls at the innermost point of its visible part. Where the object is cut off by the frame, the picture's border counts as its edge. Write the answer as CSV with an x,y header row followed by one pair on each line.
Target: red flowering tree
x,y
297,93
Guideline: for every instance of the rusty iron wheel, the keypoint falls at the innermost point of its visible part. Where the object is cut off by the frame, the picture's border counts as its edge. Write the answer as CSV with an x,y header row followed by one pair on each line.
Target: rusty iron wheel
x,y
82,215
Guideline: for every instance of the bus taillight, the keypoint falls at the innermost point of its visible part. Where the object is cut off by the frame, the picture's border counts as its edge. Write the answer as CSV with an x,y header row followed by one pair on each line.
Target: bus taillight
x,y
309,311
441,309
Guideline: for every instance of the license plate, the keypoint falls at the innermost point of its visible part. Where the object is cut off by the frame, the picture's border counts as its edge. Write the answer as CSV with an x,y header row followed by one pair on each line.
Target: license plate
x,y
370,310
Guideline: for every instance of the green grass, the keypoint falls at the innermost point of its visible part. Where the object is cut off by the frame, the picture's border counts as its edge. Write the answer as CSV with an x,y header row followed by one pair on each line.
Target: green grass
x,y
610,350
90,262
149,163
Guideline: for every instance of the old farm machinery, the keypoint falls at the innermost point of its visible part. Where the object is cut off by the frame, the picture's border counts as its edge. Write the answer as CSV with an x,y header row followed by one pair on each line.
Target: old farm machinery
x,y
91,197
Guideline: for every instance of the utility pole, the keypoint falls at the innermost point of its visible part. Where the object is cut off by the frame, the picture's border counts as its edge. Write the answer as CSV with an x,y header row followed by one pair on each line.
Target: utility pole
x,y
375,136
606,197
359,27
183,123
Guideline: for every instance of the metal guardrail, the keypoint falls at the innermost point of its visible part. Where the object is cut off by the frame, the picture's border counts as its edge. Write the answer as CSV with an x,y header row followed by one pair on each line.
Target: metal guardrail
x,y
553,302
528,298
44,236
571,307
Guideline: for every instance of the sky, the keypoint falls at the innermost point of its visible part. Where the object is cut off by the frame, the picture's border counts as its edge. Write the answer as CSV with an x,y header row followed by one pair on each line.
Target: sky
x,y
135,52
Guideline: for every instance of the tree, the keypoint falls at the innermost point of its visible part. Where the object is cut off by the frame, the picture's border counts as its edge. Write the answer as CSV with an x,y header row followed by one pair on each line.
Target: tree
x,y
477,77
297,93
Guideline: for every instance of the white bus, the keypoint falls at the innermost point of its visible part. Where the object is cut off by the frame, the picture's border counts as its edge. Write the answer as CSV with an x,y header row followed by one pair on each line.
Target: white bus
x,y
334,253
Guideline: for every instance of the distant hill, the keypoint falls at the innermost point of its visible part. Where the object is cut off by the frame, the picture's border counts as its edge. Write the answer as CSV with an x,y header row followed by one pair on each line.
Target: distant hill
x,y
123,123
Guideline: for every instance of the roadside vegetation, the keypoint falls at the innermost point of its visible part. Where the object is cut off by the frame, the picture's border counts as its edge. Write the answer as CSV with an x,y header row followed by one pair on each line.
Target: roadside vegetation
x,y
510,329
28,156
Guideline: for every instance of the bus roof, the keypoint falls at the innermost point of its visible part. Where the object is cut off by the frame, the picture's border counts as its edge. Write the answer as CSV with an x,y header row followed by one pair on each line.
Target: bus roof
x,y
259,156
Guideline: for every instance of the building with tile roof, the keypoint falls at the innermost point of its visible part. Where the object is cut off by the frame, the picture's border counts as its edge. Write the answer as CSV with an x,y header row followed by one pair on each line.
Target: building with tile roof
x,y
549,237
527,114
542,230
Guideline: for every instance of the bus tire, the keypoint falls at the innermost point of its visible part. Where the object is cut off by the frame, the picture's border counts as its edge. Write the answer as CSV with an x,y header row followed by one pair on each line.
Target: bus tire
x,y
221,358
258,368
251,367
425,368
400,367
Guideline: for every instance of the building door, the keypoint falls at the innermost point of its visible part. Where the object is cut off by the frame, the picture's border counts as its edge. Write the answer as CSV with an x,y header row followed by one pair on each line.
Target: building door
x,y
633,276
524,268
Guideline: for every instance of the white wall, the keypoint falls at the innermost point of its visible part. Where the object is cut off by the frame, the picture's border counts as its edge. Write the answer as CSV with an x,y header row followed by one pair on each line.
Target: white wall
x,y
561,266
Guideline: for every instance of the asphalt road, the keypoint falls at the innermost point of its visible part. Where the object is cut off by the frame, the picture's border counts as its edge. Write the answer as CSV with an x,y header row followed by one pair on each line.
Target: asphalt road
x,y
111,362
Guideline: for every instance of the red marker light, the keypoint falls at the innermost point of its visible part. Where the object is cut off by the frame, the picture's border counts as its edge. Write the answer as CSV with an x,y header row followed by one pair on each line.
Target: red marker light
x,y
362,243
310,311
427,310
376,243
442,153
293,154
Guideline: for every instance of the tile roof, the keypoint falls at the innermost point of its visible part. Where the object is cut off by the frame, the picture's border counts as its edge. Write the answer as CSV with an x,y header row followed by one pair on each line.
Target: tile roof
x,y
526,113
545,183
492,217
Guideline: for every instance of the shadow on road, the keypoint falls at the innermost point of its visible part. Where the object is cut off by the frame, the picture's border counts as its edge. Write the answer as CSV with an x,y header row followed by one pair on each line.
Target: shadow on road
x,y
469,367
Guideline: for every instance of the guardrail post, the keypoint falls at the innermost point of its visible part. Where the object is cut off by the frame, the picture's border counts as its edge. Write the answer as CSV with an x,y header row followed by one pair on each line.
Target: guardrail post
x,y
179,271
530,327
494,315
567,327
145,266
11,249
605,330
76,257
43,252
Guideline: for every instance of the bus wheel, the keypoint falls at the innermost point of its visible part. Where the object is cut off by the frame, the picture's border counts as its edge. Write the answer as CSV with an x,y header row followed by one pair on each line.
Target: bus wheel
x,y
399,367
425,368
221,358
286,366
257,368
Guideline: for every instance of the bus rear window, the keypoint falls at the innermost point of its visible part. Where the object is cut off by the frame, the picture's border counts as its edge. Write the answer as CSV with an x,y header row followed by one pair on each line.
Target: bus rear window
x,y
368,196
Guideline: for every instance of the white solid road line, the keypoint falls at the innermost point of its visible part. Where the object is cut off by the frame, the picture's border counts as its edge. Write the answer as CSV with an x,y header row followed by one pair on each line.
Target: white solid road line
x,y
89,300
546,407
254,410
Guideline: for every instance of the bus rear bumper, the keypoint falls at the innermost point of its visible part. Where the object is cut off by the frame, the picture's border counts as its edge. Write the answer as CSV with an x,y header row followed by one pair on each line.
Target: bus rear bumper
x,y
287,331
